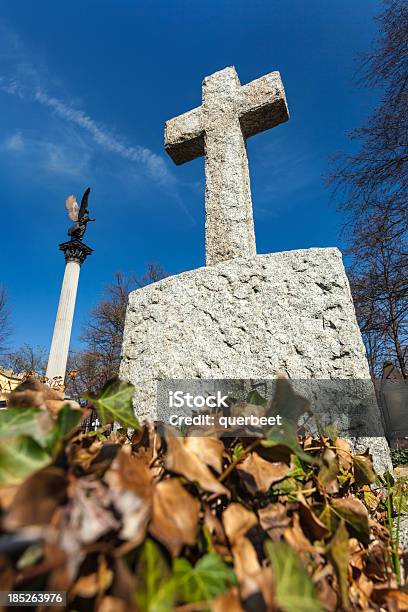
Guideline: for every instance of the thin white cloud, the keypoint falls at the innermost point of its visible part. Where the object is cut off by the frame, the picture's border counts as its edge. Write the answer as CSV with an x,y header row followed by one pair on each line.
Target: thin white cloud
x,y
15,142
20,78
67,157
154,163
60,160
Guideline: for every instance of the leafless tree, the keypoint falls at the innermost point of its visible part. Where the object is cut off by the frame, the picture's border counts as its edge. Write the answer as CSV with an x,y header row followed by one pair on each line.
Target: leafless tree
x,y
371,187
379,281
27,359
5,328
99,361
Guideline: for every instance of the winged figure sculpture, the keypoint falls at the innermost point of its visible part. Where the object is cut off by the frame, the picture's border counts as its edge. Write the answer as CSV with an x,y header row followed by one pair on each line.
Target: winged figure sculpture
x,y
79,215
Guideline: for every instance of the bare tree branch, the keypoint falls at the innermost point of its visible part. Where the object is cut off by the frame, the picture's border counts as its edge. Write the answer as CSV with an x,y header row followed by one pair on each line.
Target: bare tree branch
x,y
371,188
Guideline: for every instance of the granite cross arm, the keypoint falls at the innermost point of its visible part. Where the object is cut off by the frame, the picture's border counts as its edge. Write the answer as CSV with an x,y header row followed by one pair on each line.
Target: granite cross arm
x,y
230,113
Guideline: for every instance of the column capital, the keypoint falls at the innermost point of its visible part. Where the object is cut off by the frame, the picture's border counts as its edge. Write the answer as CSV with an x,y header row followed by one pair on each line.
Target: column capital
x,y
75,250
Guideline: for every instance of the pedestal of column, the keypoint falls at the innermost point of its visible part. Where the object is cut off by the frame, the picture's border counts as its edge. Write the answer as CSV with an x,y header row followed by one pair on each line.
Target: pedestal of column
x,y
75,254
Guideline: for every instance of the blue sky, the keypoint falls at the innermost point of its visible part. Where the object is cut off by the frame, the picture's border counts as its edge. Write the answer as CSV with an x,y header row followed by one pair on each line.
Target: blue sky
x,y
85,89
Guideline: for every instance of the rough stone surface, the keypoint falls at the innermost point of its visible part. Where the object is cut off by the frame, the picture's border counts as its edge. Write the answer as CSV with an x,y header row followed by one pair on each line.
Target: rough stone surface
x,y
247,318
403,532
229,114
289,311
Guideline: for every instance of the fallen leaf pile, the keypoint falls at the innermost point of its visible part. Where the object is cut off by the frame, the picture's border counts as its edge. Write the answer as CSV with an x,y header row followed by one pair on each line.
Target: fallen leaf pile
x,y
153,522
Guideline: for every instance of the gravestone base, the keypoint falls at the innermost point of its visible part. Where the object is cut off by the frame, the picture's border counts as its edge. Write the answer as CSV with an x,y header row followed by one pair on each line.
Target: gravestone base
x,y
288,312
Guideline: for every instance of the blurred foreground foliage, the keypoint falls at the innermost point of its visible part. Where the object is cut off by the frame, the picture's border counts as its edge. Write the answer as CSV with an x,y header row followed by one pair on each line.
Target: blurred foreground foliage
x,y
148,521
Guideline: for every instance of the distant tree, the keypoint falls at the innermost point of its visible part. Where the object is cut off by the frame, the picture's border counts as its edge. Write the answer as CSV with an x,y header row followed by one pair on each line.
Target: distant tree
x,y
102,335
27,359
371,187
379,282
5,328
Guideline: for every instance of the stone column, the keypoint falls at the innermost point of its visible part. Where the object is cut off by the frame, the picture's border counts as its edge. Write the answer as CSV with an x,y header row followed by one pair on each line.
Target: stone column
x,y
75,254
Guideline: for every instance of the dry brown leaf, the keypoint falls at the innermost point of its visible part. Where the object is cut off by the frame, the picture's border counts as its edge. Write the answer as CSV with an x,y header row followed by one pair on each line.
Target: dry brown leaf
x,y
311,525
7,576
339,553
376,560
85,586
89,515
274,520
84,455
259,474
328,471
181,460
253,579
130,481
295,537
355,514
7,494
105,455
175,515
356,553
364,587
33,394
64,569
112,604
123,585
327,595
209,450
104,475
227,602
381,595
37,499
93,584
343,453
216,531
237,520
279,453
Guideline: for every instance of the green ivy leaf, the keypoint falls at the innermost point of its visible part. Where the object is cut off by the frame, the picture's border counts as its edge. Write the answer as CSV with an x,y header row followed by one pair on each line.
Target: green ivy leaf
x,y
287,402
286,436
155,588
339,555
297,470
209,578
256,398
329,518
363,469
287,486
237,451
355,514
67,420
31,422
294,587
400,495
329,469
19,457
114,403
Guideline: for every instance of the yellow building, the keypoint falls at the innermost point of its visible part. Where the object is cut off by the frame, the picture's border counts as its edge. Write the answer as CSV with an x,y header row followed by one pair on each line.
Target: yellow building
x,y
8,382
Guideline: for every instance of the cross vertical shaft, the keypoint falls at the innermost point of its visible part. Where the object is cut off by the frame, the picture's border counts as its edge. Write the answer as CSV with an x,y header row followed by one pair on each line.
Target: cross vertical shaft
x,y
229,227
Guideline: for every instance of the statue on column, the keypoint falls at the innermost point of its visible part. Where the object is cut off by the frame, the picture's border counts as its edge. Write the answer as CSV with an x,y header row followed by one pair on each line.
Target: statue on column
x,y
78,214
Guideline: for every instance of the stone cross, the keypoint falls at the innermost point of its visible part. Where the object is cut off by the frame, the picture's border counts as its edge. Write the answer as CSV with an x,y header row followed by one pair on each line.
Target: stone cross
x,y
230,113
